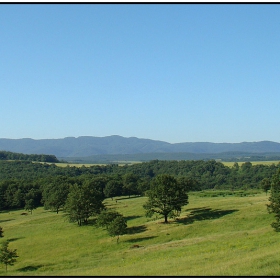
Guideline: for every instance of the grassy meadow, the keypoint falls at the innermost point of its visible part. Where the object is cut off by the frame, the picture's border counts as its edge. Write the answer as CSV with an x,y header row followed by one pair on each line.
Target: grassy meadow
x,y
214,236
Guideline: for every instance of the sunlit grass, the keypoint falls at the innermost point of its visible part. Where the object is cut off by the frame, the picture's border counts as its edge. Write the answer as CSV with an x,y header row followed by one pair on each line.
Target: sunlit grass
x,y
214,236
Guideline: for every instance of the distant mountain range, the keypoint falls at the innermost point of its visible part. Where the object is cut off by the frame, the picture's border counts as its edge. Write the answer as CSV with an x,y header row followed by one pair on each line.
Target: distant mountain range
x,y
86,146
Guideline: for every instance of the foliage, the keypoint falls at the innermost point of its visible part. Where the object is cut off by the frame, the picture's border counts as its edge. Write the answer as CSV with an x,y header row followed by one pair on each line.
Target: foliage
x,y
82,202
113,188
274,206
166,197
55,193
188,184
33,157
266,185
17,178
113,221
106,217
7,256
117,227
32,199
130,183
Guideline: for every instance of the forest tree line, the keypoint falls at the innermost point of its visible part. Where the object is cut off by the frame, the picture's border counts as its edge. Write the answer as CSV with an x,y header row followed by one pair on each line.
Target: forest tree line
x,y
4,155
29,185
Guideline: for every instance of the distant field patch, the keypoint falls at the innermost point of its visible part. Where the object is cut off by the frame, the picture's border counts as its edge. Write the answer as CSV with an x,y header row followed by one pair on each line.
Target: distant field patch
x,y
230,164
62,164
120,163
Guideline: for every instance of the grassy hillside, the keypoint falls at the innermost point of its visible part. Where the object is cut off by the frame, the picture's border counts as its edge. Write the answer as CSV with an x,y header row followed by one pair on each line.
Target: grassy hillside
x,y
228,235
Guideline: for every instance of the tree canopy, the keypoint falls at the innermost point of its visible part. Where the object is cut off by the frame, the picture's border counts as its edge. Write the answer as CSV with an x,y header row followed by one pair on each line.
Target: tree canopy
x,y
165,197
117,227
7,256
274,205
82,202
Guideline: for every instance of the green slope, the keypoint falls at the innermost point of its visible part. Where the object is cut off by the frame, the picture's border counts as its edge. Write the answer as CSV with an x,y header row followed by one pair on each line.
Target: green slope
x,y
217,236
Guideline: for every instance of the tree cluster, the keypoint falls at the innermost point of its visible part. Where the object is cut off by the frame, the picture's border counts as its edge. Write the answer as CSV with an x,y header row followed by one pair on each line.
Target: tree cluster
x,y
4,155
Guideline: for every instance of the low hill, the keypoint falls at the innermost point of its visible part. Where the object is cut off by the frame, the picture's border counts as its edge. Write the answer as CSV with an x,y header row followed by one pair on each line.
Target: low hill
x,y
117,145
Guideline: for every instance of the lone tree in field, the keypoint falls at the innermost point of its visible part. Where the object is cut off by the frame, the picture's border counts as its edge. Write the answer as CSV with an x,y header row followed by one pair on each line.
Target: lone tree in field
x,y
7,256
165,197
274,206
117,227
265,185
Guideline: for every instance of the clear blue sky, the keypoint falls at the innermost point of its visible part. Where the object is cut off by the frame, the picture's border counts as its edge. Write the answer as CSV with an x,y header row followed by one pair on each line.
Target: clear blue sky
x,y
177,73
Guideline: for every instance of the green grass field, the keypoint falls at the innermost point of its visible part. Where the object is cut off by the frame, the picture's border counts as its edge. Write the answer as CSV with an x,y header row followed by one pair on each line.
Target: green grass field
x,y
214,236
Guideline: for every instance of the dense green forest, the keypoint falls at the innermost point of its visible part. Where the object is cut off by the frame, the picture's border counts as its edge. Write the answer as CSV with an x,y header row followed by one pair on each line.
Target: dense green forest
x,y
4,155
28,184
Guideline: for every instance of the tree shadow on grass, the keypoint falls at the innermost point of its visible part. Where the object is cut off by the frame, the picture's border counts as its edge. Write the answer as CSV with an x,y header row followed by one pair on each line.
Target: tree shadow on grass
x,y
131,197
204,213
14,239
3,221
128,218
30,268
7,211
90,222
136,229
139,239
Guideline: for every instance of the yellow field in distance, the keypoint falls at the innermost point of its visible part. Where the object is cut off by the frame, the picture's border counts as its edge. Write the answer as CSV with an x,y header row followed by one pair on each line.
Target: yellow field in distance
x,y
121,163
230,164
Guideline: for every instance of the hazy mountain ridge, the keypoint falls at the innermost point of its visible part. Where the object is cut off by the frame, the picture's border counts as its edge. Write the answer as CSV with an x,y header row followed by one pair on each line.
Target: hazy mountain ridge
x,y
84,146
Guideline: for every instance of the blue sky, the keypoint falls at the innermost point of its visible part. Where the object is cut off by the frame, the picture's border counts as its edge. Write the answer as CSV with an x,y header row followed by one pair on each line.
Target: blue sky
x,y
177,73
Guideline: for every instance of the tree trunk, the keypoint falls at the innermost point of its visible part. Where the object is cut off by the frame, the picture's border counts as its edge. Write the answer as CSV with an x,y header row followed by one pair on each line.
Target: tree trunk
x,y
118,239
56,210
165,219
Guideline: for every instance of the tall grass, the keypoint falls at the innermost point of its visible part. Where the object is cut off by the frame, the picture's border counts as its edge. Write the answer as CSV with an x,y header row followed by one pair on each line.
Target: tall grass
x,y
214,236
